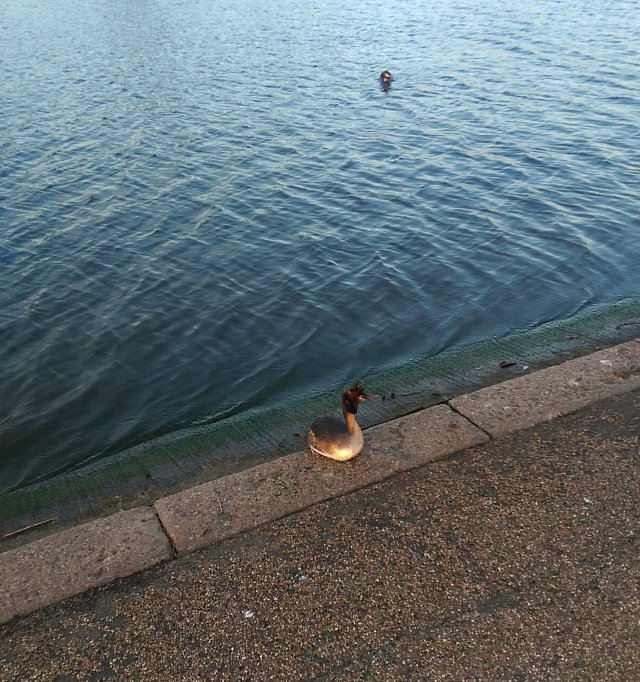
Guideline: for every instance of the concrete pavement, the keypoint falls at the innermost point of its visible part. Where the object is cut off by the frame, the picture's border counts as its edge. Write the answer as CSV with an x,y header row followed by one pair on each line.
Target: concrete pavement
x,y
516,558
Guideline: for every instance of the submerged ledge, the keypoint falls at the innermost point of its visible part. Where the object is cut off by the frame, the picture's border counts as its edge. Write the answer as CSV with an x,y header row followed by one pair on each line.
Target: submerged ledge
x,y
168,464
69,562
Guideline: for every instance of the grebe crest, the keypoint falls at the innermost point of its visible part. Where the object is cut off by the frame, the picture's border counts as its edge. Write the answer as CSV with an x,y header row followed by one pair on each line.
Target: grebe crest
x,y
352,397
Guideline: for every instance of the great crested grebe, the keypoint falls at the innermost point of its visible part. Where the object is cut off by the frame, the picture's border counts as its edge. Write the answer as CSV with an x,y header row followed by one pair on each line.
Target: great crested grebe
x,y
341,440
385,80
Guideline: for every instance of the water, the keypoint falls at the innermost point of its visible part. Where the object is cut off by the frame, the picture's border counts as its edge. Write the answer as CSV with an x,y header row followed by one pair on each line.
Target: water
x,y
211,209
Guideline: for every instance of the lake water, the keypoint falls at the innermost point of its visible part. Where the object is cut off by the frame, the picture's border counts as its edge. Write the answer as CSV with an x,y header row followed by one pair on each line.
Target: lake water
x,y
210,209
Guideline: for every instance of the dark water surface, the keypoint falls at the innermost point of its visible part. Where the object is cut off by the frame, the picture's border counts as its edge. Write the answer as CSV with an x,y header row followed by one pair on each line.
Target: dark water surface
x,y
209,208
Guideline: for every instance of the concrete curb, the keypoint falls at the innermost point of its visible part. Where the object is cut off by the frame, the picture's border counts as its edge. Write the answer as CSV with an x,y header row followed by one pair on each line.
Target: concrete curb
x,y
72,561
214,511
91,555
552,392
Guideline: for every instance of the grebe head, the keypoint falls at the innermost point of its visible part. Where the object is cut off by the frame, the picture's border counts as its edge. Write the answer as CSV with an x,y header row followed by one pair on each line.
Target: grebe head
x,y
353,396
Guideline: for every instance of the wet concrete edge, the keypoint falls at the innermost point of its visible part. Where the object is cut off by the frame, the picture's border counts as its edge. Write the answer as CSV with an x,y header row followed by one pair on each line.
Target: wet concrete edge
x,y
94,554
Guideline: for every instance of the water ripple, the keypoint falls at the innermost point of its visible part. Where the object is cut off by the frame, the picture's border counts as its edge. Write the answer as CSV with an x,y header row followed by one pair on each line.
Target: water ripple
x,y
209,208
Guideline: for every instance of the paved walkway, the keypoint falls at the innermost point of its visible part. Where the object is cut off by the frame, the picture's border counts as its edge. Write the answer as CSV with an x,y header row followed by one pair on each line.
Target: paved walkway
x,y
516,559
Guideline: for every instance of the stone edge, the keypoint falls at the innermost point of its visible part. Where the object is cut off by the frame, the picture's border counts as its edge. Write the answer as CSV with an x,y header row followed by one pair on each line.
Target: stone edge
x,y
477,412
552,392
214,511
77,559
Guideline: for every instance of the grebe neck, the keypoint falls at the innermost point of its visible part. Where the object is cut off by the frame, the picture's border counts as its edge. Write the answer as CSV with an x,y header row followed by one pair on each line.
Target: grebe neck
x,y
351,422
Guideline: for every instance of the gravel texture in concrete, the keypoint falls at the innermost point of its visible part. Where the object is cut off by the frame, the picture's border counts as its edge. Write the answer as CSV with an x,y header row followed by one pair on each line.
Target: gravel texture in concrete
x,y
517,559
74,560
535,398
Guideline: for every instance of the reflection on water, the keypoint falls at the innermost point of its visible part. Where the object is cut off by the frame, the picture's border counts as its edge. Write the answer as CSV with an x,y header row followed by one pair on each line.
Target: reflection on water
x,y
210,207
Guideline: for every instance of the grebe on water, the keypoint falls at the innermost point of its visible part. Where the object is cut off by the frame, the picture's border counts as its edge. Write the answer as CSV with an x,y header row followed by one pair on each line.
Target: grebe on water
x,y
341,440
